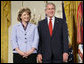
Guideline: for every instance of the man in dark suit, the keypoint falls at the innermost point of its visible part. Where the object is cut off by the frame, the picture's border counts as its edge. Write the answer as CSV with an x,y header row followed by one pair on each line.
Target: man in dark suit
x,y
53,41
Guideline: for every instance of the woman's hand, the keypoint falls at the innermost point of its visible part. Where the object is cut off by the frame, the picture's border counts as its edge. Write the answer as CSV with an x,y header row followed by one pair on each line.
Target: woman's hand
x,y
20,52
29,52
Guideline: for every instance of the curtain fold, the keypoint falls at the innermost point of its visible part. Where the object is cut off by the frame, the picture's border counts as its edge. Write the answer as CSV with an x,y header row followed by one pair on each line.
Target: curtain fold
x,y
5,23
71,18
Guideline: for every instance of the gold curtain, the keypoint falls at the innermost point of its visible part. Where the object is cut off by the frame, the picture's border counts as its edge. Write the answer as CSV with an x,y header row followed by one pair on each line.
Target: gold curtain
x,y
5,23
71,18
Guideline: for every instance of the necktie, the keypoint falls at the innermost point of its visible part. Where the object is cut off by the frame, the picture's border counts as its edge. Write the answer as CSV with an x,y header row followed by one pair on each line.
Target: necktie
x,y
50,26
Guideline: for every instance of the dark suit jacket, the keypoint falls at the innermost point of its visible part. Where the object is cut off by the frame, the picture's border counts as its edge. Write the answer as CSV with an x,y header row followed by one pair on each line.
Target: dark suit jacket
x,y
55,45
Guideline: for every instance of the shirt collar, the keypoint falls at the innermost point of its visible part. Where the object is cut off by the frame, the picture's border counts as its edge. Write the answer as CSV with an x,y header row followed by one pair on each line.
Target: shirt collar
x,y
53,18
24,26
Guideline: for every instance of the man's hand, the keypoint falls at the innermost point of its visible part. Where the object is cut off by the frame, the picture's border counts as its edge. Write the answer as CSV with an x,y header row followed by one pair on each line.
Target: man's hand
x,y
39,58
65,57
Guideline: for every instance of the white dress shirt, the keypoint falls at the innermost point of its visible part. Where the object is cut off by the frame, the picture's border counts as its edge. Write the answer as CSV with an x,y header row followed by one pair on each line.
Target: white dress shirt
x,y
53,20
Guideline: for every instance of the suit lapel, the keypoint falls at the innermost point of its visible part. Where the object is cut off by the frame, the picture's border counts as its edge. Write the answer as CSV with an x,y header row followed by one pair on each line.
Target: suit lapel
x,y
20,27
29,27
46,26
54,29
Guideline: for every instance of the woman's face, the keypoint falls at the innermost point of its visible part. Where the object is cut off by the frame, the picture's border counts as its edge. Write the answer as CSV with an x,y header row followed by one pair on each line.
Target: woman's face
x,y
25,17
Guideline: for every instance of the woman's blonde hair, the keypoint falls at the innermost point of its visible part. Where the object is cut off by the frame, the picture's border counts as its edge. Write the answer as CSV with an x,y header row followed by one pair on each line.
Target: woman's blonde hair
x,y
21,12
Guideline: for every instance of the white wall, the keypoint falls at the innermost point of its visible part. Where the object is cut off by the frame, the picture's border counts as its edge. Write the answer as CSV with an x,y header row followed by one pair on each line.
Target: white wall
x,y
37,8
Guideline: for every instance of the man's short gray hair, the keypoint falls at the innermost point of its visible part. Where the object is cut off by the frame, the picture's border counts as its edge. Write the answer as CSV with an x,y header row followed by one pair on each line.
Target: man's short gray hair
x,y
50,4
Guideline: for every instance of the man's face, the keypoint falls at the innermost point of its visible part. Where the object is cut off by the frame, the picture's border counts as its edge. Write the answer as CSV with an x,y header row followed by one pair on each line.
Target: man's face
x,y
50,10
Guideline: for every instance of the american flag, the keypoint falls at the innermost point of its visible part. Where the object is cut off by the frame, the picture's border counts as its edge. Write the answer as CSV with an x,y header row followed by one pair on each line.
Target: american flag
x,y
80,23
80,31
80,53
